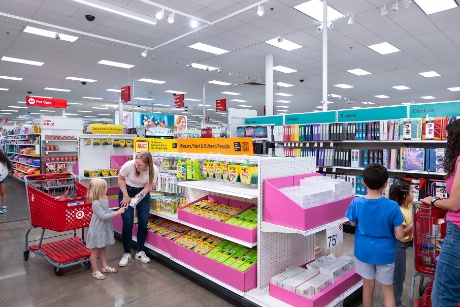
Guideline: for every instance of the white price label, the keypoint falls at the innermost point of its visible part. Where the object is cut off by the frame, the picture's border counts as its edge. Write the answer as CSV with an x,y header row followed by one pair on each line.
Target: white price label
x,y
321,144
334,235
315,145
332,144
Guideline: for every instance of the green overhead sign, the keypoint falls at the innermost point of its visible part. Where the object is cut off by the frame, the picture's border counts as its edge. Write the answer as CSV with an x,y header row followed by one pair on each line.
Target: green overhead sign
x,y
368,114
276,120
434,109
310,118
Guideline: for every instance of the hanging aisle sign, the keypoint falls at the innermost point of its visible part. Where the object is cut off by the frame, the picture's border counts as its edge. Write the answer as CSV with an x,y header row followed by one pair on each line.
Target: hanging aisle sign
x,y
34,101
368,114
310,118
155,145
436,109
221,105
106,129
126,93
276,120
223,146
179,101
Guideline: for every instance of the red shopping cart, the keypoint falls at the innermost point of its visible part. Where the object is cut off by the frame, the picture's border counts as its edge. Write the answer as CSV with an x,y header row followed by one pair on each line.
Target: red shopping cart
x,y
429,228
57,202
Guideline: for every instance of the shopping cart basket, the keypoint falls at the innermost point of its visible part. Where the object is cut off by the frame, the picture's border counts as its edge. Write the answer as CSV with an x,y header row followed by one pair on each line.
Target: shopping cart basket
x,y
57,202
429,229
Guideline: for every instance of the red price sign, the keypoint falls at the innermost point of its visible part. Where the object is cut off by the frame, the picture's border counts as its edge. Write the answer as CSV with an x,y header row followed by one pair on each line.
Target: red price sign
x,y
206,133
34,101
126,93
5,120
221,105
179,101
206,118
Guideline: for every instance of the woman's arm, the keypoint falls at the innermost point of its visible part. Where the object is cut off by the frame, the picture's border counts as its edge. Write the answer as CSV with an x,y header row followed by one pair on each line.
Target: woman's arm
x,y
453,202
124,190
147,188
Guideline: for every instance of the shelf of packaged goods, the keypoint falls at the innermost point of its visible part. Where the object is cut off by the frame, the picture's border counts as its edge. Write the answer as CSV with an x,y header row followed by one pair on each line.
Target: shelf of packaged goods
x,y
60,151
324,168
51,141
269,227
174,218
67,162
225,188
25,164
102,177
296,143
31,145
26,155
34,134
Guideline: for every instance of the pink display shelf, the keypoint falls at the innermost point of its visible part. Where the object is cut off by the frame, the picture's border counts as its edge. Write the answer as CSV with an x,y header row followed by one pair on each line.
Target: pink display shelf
x,y
281,210
159,242
113,203
321,299
117,223
244,234
243,281
118,161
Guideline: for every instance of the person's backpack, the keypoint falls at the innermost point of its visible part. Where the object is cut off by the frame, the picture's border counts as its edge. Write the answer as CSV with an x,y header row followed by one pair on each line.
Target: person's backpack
x,y
3,171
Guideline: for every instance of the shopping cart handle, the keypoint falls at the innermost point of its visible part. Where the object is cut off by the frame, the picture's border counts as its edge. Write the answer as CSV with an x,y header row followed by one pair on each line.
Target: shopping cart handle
x,y
48,176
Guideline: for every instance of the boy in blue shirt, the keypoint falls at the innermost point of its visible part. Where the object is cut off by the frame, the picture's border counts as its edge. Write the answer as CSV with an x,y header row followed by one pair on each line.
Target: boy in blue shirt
x,y
377,220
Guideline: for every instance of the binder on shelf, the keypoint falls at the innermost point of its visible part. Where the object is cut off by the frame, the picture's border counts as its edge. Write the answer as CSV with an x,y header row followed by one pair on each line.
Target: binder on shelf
x,y
412,159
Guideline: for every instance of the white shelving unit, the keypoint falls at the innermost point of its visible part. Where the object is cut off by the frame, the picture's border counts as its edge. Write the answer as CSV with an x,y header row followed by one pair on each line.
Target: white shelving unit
x,y
224,188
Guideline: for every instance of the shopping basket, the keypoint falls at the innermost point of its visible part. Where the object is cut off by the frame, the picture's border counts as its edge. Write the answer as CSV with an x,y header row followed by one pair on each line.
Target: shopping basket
x,y
58,202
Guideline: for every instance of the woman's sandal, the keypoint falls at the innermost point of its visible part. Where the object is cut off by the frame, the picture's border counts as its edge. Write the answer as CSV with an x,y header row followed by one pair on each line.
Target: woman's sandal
x,y
109,269
98,275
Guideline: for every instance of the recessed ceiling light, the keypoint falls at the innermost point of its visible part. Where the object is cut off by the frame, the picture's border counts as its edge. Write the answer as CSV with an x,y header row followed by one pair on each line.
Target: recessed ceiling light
x,y
367,102
17,107
427,97
381,96
4,89
11,78
344,86
319,107
37,113
284,44
283,101
231,93
175,92
219,82
206,105
104,114
48,111
115,64
314,9
56,89
283,94
89,116
92,98
152,81
454,89
284,107
191,99
282,111
84,111
244,106
431,7
401,87
111,105
335,96
282,84
143,99
356,107
74,103
22,102
238,100
101,108
284,69
21,61
158,104
384,48
113,90
80,79
50,34
429,74
359,72
9,110
71,114
203,67
208,48
6,113
210,109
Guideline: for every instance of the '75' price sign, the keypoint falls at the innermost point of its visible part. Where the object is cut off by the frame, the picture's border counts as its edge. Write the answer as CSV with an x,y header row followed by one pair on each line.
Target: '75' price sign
x,y
334,235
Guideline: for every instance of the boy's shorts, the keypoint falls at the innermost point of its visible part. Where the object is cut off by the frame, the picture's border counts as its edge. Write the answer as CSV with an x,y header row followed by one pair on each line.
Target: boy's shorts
x,y
382,273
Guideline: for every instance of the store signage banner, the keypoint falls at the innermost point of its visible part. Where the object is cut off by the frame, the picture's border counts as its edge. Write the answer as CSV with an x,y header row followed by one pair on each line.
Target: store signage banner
x,y
434,109
5,120
154,145
276,120
152,120
206,132
126,93
106,129
310,118
221,105
368,114
34,101
179,101
230,146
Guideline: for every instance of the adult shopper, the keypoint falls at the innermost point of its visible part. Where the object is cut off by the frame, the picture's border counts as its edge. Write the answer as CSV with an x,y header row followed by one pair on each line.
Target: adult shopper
x,y
136,178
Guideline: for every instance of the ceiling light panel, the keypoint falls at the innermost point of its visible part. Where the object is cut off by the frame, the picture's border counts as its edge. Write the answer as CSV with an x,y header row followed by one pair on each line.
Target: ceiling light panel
x,y
283,101
283,94
244,106
113,90
203,67
17,107
282,84
284,44
152,81
11,78
427,97
175,92
92,98
4,89
115,64
219,82
429,74
344,86
208,48
143,99
284,69
238,100
21,61
50,34
401,87
432,7
57,89
454,89
84,111
80,79
231,93
359,72
192,99
75,103
384,48
381,96
314,9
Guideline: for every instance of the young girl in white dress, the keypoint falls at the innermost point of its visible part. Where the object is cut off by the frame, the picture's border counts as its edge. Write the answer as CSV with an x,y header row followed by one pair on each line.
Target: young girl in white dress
x,y
100,232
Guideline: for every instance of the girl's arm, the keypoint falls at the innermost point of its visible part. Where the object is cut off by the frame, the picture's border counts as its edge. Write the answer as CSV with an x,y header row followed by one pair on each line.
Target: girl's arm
x,y
99,211
453,202
408,230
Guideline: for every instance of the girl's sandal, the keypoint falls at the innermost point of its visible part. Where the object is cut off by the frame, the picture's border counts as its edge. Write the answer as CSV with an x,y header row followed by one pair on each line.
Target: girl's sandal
x,y
98,275
109,269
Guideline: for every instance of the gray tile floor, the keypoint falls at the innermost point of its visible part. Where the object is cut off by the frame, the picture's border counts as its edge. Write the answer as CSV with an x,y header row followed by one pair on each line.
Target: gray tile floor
x,y
33,282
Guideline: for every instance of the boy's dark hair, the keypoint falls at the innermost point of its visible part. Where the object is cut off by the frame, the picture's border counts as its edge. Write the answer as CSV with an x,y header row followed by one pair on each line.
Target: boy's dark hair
x,y
399,191
374,176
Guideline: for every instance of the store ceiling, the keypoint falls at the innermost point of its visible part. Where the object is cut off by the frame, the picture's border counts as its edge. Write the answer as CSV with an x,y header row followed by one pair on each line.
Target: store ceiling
x,y
427,43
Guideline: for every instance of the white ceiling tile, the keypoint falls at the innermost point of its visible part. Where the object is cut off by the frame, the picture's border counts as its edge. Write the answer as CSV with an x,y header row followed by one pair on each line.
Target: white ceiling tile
x,y
419,26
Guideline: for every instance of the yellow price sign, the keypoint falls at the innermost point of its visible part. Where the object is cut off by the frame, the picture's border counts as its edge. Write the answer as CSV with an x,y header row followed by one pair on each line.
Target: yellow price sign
x,y
226,146
106,129
155,145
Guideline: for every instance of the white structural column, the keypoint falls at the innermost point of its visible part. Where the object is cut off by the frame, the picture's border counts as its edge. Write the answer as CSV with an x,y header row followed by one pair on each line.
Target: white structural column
x,y
203,122
120,110
269,84
132,101
325,28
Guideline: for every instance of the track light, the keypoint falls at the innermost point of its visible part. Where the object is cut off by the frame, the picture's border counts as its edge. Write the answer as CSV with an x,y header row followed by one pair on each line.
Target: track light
x,y
260,10
144,53
383,10
280,39
57,37
219,71
171,18
330,25
160,14
319,29
194,23
351,20
407,3
394,8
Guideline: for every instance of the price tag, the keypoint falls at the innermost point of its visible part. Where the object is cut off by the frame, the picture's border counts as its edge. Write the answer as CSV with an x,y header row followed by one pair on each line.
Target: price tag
x,y
332,144
314,145
334,235
307,144
301,144
321,144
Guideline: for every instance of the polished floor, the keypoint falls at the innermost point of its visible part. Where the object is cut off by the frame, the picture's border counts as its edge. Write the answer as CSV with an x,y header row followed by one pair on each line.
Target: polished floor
x,y
34,283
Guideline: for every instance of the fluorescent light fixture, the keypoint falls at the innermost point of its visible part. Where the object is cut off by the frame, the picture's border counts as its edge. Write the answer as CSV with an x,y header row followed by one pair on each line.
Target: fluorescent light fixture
x,y
203,67
319,107
56,89
238,100
84,111
4,89
206,105
244,106
401,87
111,105
48,111
11,78
282,111
359,72
92,98
427,97
384,48
17,107
283,94
21,61
22,102
143,99
37,113
429,74
152,81
356,107
50,34
431,7
314,9
149,21
231,93
104,114
283,101
367,102
80,79
192,99
344,85
100,108
219,82
284,69
283,43
89,116
381,96
282,84
175,92
71,114
208,48
283,107
113,90
5,113
158,104
454,89
210,109
75,103
115,64
9,110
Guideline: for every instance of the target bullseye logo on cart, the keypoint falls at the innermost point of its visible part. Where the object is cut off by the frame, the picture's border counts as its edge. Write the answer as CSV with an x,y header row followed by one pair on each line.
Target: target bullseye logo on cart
x,y
80,214
31,101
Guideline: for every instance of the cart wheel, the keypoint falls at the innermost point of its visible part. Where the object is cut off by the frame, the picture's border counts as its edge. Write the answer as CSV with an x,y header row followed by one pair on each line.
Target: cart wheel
x,y
87,264
58,271
26,255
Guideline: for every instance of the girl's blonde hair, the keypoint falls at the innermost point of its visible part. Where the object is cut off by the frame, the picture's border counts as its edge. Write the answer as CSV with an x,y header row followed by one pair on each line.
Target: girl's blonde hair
x,y
146,157
96,190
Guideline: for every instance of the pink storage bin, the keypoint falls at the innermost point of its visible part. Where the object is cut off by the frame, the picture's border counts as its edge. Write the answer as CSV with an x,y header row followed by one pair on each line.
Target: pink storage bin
x,y
113,203
244,234
281,210
117,162
117,223
159,242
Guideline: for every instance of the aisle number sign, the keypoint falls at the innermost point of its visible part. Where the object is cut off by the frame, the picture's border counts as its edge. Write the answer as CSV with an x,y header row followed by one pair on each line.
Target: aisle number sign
x,y
434,109
155,145
106,129
368,114
334,235
230,146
